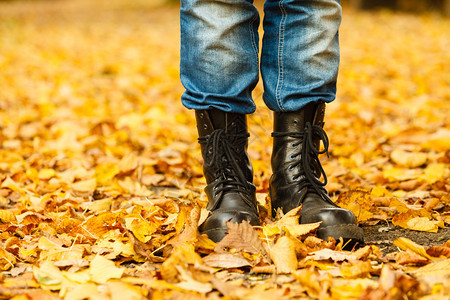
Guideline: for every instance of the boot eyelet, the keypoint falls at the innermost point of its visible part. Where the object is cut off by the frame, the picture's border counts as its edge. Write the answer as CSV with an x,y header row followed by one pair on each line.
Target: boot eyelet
x,y
205,126
201,115
291,168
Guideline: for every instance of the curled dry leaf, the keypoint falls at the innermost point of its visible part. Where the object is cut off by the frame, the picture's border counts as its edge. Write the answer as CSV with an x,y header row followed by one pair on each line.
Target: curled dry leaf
x,y
438,251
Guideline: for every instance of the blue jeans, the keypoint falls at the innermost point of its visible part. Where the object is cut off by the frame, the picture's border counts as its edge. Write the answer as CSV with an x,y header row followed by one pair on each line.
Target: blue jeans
x,y
220,49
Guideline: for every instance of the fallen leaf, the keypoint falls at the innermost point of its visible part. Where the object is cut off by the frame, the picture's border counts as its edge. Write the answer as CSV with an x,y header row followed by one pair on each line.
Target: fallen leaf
x,y
121,291
357,269
409,257
190,284
101,270
283,255
406,244
435,172
7,216
408,159
85,186
241,237
226,260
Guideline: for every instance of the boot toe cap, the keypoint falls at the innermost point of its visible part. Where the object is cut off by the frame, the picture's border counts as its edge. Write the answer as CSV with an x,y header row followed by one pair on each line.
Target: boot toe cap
x,y
336,223
329,216
215,225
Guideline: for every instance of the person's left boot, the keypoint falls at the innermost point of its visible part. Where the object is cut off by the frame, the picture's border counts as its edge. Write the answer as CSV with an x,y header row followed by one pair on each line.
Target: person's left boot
x,y
223,138
297,171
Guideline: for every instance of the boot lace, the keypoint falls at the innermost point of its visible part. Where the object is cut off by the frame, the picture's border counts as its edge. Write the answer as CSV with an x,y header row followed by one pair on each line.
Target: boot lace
x,y
309,158
221,155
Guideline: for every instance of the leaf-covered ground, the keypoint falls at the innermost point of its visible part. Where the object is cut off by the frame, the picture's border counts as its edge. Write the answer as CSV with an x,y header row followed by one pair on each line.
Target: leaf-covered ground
x,y
100,171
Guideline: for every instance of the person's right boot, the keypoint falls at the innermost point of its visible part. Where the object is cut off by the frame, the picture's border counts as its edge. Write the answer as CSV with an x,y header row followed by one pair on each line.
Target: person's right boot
x,y
297,171
229,175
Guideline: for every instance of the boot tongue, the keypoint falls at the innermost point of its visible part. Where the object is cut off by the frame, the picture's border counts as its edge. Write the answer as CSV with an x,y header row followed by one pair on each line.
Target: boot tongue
x,y
218,118
295,121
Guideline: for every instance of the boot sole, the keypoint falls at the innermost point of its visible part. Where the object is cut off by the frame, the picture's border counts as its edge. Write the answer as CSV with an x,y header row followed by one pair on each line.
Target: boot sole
x,y
350,233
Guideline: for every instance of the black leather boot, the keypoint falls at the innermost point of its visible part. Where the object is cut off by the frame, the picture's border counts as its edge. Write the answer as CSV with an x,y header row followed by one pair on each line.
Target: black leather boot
x,y
297,171
231,194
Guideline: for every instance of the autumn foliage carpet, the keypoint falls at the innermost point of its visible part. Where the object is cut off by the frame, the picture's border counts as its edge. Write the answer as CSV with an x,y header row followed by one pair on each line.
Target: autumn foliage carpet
x,y
100,170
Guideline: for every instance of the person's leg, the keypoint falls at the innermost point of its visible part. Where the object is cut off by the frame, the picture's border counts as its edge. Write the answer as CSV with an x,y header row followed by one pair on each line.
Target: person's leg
x,y
300,55
219,69
299,66
219,54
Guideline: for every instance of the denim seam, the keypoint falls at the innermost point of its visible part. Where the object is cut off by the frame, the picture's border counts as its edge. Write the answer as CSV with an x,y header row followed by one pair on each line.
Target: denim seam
x,y
254,46
280,55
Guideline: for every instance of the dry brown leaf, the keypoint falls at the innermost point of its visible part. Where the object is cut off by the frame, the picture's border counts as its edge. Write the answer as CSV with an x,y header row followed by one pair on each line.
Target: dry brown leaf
x,y
408,257
241,237
437,251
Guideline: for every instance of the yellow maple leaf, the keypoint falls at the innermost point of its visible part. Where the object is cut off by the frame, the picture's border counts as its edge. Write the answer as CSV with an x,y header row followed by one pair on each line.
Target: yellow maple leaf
x,y
10,184
84,291
102,269
358,269
408,159
422,224
46,174
104,173
7,216
283,255
87,186
140,228
435,172
121,291
404,244
7,260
